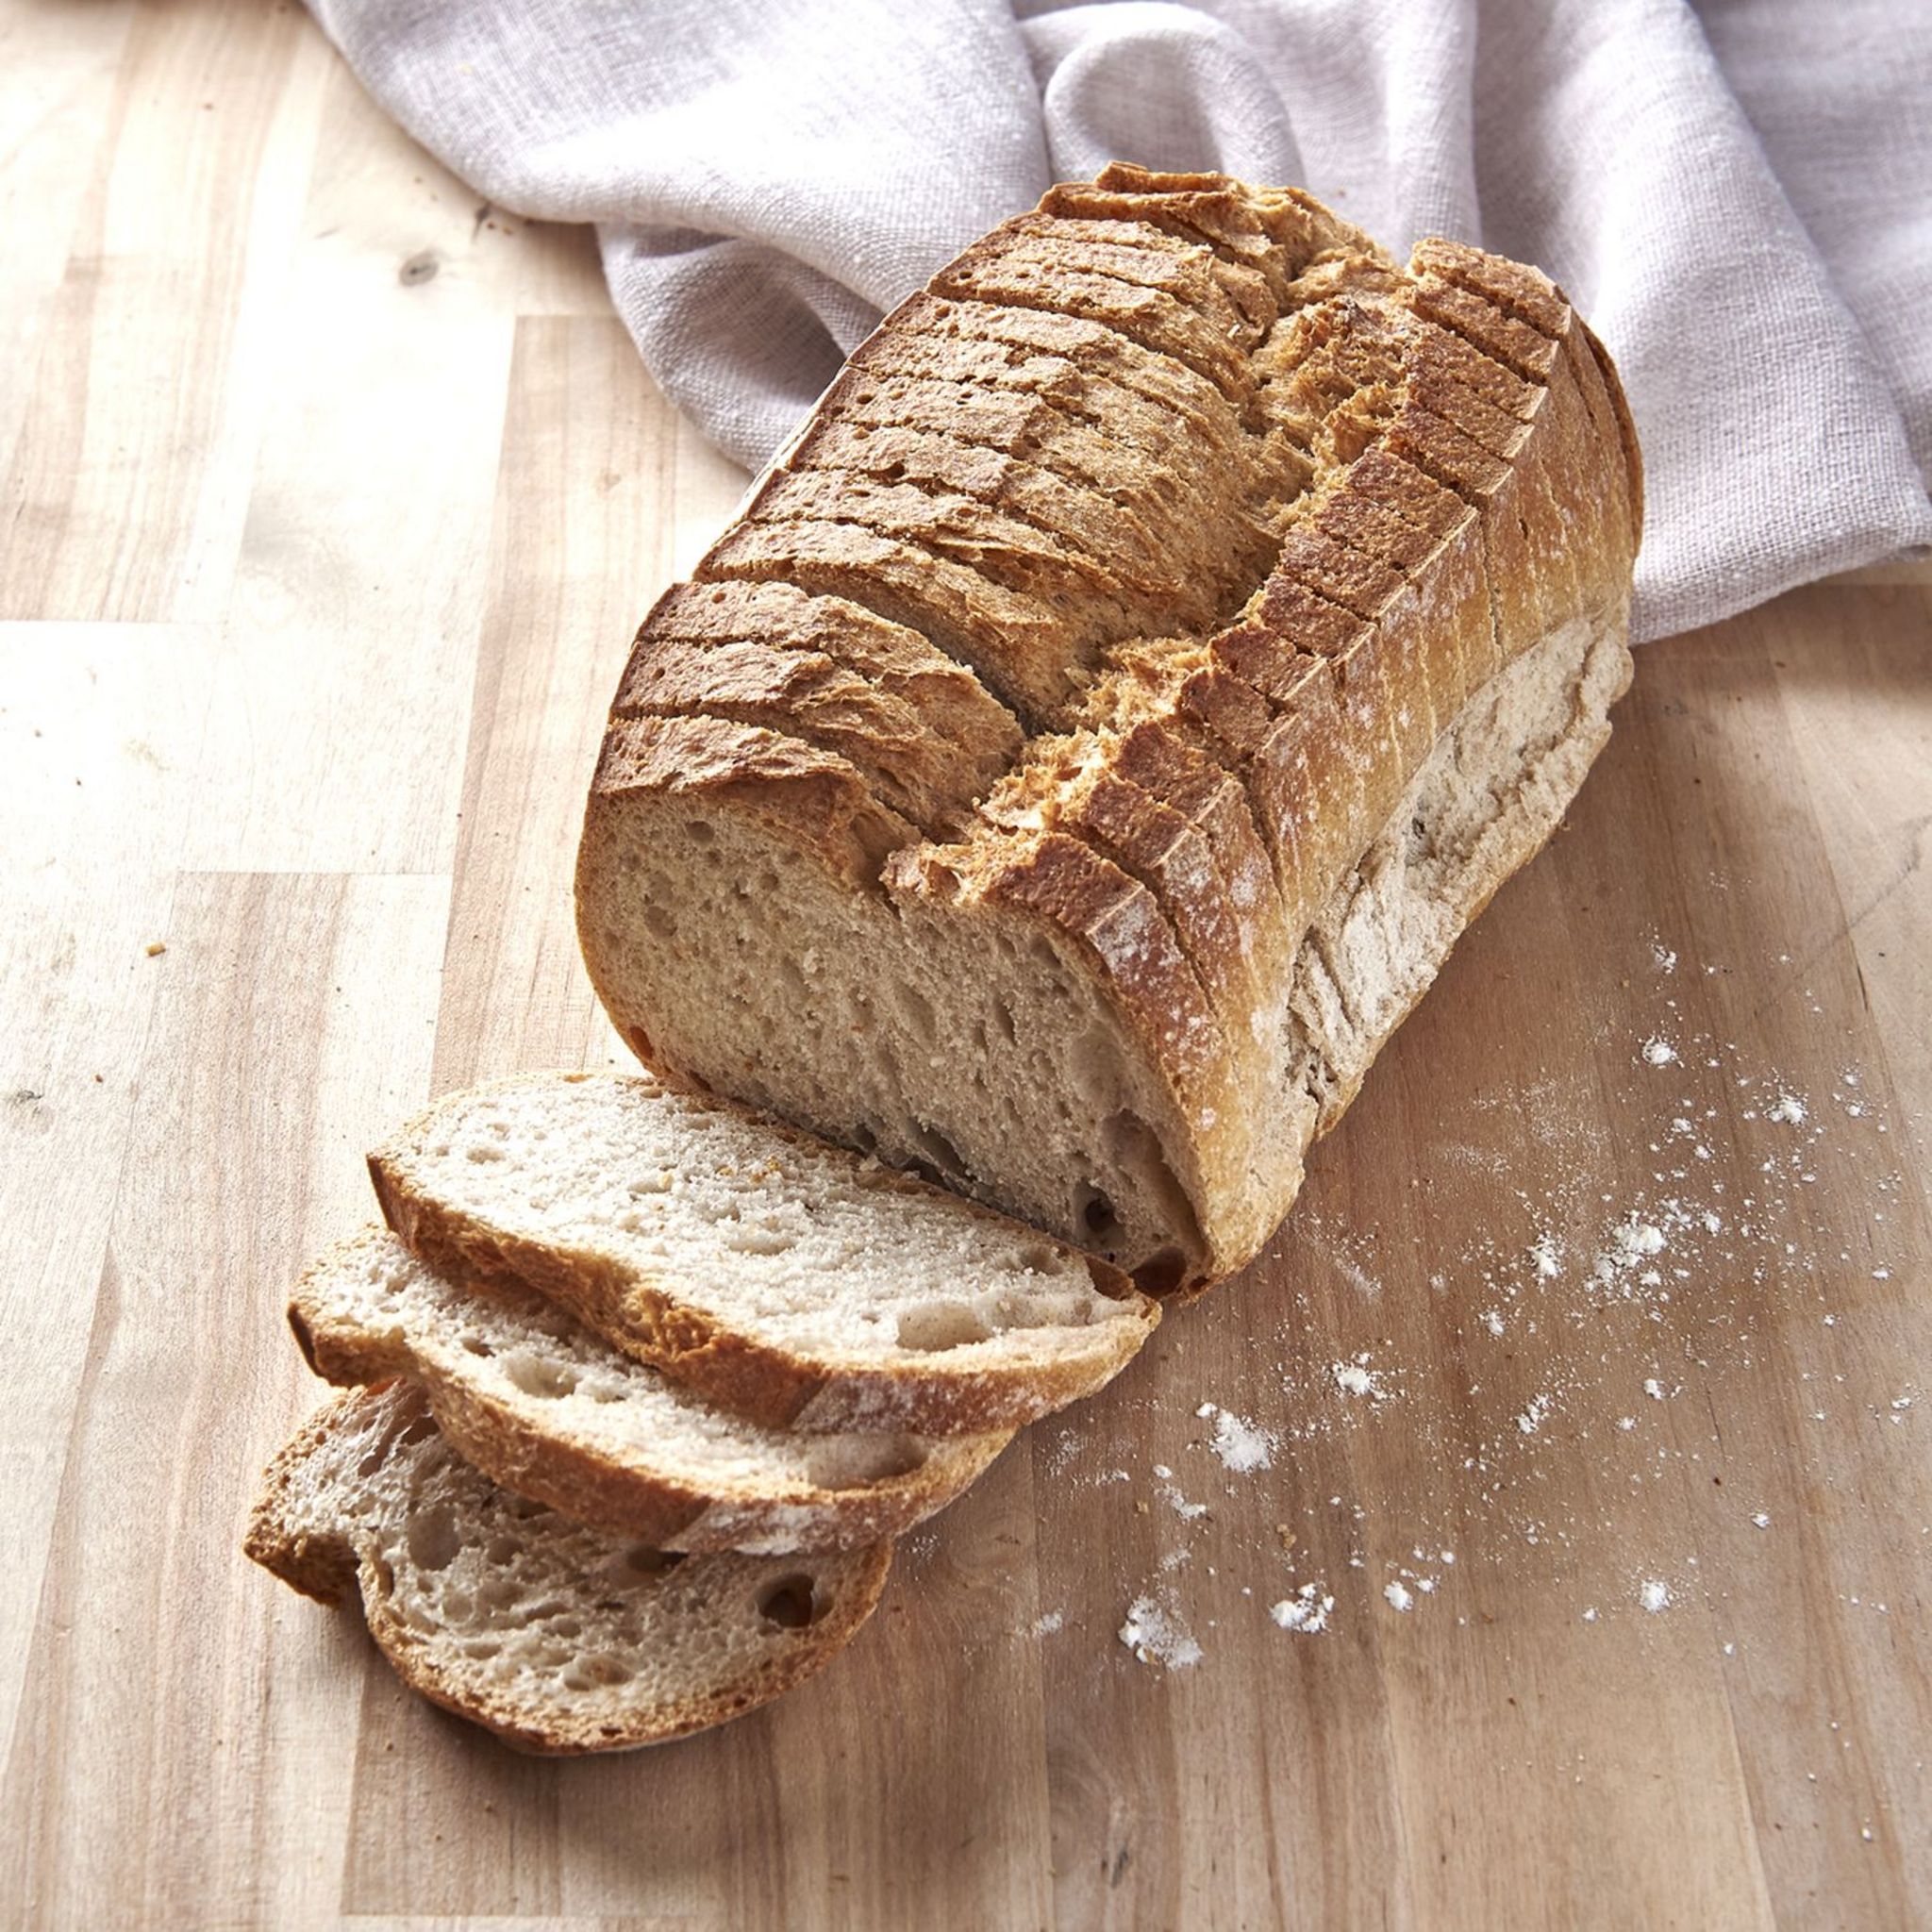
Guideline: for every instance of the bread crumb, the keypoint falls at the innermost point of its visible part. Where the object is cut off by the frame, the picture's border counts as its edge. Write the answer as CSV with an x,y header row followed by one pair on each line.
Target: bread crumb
x,y
1397,1595
156,948
1654,1594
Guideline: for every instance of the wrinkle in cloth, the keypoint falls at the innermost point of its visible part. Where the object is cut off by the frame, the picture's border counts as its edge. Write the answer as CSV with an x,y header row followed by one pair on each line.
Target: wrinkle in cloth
x,y
1738,196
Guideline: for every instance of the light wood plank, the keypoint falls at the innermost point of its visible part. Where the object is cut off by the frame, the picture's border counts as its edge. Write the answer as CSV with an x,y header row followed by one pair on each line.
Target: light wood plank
x,y
578,551
180,1753
129,476
100,729
56,91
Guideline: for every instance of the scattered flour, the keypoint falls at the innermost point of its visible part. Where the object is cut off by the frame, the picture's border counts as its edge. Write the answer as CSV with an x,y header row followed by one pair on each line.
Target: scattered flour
x,y
1155,1633
1306,1611
1668,1248
1356,1378
1046,1625
1240,1445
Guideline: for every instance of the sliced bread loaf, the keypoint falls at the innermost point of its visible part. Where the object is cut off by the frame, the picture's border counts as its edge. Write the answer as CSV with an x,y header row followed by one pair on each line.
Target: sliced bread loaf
x,y
545,1408
786,1280
559,1639
1368,493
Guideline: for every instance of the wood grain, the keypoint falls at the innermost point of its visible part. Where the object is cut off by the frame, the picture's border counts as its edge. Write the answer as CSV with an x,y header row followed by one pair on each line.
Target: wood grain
x,y
332,499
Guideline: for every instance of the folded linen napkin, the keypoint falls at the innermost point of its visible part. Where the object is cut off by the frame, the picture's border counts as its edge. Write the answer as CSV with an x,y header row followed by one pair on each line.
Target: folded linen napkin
x,y
1741,202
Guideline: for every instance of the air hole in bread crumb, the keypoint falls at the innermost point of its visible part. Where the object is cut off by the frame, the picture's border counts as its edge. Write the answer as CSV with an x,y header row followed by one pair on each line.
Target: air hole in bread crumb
x,y
790,1604
595,1672
1094,1212
476,1345
935,1327
852,1462
1160,1273
698,832
433,1540
417,1429
940,1153
918,1012
661,921
647,1562
536,1376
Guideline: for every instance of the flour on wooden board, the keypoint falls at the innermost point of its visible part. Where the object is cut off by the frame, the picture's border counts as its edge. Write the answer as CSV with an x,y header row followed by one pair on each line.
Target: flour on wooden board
x,y
1559,1292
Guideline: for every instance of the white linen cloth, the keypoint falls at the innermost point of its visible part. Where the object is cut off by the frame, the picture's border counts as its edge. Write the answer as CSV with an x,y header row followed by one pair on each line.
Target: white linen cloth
x,y
1738,198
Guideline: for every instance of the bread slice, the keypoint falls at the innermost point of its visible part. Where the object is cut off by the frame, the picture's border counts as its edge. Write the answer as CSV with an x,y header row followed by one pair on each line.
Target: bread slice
x,y
544,1407
559,1638
1390,488
788,1281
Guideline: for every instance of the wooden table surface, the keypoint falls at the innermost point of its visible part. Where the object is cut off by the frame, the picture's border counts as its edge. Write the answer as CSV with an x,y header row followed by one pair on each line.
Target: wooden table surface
x,y
331,500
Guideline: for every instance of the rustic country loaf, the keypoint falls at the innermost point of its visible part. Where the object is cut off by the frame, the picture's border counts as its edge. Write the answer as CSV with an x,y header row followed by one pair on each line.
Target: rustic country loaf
x,y
558,1637
788,1281
544,1407
1267,598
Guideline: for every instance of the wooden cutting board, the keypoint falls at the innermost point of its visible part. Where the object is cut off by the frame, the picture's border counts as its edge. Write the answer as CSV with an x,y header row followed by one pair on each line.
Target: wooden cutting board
x,y
1582,1403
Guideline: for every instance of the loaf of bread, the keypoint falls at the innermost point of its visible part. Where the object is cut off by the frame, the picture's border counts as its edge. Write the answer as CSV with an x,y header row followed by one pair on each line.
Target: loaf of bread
x,y
1105,715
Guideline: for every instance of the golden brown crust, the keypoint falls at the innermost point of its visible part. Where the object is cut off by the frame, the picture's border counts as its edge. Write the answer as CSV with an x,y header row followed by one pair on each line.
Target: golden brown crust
x,y
319,1565
759,771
